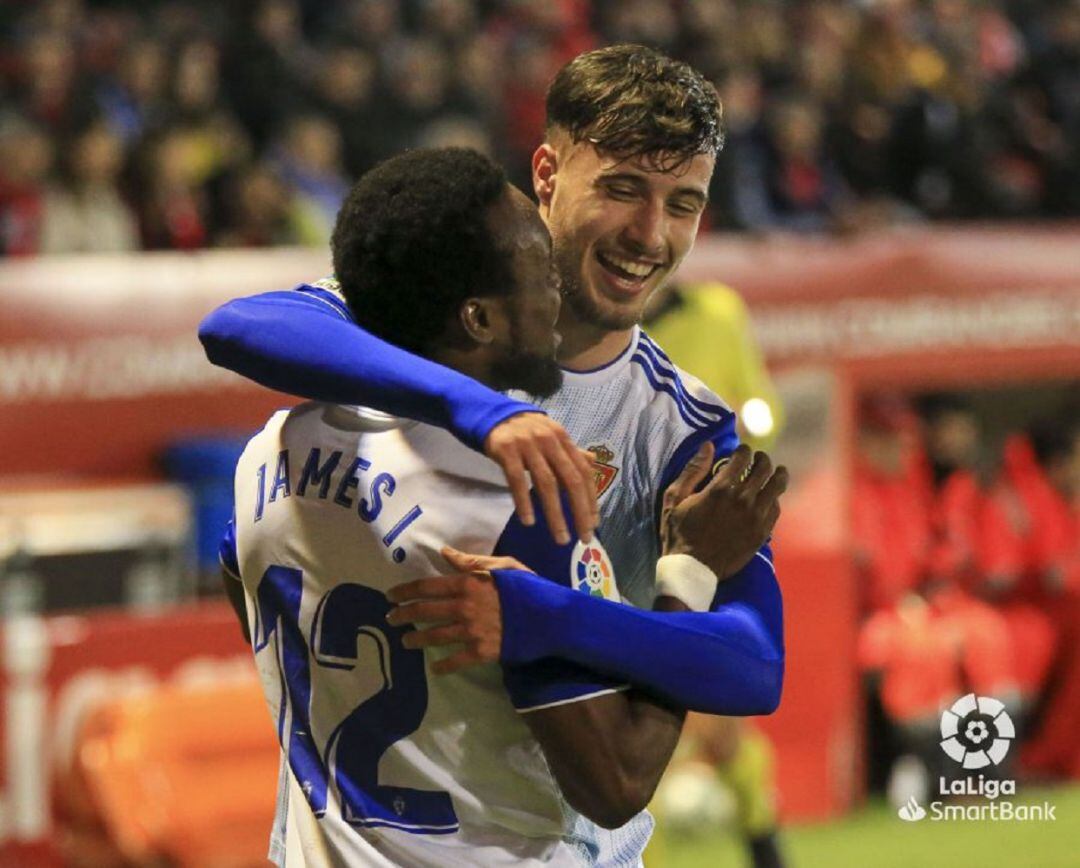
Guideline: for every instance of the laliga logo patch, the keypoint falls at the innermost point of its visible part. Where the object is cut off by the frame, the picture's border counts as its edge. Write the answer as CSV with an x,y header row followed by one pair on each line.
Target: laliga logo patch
x,y
591,572
604,472
976,731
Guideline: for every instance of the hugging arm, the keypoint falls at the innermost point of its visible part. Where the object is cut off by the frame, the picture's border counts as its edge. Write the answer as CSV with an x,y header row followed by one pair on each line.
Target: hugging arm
x,y
725,657
729,660
306,343
608,751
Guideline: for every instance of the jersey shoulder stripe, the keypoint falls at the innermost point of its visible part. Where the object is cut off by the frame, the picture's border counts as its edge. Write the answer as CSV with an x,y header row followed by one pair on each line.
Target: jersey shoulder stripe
x,y
667,368
674,382
690,416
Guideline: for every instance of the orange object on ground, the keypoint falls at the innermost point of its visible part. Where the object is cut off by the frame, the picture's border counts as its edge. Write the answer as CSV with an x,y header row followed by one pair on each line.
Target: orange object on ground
x,y
184,774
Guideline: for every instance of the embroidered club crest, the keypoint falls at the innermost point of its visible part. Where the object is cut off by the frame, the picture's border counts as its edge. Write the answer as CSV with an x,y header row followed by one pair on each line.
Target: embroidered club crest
x,y
604,472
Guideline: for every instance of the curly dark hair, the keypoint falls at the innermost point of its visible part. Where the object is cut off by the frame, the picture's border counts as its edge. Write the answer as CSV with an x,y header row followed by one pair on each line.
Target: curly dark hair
x,y
632,101
412,241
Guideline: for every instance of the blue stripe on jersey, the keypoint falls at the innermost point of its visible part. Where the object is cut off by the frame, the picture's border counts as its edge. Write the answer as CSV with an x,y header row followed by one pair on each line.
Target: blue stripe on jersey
x,y
667,388
327,298
665,367
708,413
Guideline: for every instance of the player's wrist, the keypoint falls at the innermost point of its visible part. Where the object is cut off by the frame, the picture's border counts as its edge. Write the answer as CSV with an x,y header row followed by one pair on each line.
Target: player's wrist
x,y
687,579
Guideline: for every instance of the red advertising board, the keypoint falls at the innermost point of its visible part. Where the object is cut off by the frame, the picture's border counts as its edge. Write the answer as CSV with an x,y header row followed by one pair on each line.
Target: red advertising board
x,y
100,366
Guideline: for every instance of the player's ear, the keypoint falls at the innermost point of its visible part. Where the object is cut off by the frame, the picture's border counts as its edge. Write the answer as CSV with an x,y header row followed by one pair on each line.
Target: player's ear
x,y
545,164
483,319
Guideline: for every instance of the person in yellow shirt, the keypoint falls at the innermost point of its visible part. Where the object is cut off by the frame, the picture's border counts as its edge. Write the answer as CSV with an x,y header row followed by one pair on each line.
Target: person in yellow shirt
x,y
705,329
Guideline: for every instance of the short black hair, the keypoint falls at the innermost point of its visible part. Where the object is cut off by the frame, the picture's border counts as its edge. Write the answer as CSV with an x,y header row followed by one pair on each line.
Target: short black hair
x,y
632,101
412,241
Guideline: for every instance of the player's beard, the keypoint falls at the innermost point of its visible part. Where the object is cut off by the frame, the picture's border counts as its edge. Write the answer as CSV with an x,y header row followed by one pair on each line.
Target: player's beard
x,y
536,373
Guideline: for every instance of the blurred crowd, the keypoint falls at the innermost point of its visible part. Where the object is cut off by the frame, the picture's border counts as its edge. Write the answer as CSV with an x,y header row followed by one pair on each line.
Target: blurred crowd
x,y
970,571
182,124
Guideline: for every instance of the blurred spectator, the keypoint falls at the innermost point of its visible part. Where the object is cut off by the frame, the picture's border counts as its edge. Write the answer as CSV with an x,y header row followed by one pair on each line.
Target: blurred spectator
x,y
269,66
371,24
455,132
134,100
788,181
46,85
1045,467
891,521
345,89
524,103
86,214
26,154
260,211
418,91
647,22
982,533
175,207
309,163
449,22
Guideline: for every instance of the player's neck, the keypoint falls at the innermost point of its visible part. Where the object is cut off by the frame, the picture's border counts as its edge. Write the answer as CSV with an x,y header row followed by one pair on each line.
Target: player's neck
x,y
586,347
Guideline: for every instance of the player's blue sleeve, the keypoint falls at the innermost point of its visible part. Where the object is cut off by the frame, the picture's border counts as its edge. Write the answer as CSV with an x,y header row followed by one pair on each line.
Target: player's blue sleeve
x,y
230,563
545,680
729,660
306,343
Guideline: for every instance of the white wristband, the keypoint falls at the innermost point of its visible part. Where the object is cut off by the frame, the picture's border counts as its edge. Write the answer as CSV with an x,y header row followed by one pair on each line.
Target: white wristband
x,y
686,578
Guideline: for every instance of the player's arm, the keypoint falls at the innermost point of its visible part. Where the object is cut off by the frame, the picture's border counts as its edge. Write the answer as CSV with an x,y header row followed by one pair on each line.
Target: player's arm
x,y
608,752
729,660
230,578
725,657
305,342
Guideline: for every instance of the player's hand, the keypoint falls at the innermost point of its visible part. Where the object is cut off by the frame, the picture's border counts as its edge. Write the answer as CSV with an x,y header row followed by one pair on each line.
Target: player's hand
x,y
540,446
725,523
459,609
465,562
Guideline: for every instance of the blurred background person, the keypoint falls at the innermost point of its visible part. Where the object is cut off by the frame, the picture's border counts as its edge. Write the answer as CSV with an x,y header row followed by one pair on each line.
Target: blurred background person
x,y
26,155
308,160
85,212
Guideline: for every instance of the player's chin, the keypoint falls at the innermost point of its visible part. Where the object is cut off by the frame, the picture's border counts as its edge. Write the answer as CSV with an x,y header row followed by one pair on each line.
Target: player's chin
x,y
546,377
617,313
538,374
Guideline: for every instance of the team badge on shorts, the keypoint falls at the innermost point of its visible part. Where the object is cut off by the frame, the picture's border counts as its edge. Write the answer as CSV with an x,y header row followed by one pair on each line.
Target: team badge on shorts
x,y
591,572
604,472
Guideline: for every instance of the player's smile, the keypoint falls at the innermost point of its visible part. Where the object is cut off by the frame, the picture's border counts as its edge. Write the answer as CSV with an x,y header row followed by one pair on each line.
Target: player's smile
x,y
625,275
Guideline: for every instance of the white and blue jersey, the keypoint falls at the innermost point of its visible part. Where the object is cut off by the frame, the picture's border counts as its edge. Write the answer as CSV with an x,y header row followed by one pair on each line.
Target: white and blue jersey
x,y
388,764
643,419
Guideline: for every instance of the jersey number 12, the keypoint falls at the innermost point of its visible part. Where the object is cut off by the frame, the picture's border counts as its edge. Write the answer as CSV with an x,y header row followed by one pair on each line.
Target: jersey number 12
x,y
346,615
